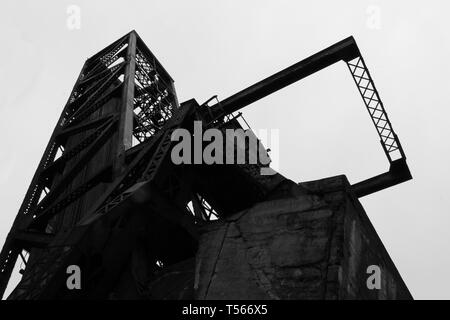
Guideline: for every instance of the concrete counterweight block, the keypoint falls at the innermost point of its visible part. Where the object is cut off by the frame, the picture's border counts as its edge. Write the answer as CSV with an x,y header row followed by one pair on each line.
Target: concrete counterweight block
x,y
319,245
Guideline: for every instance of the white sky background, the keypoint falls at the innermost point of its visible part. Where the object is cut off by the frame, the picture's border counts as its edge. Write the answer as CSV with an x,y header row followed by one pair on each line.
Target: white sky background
x,y
220,47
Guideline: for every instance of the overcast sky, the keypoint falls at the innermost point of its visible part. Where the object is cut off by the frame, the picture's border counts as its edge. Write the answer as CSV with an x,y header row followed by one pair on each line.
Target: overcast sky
x,y
219,47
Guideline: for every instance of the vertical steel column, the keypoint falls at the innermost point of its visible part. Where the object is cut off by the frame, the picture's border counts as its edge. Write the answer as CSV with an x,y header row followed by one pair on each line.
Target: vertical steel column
x,y
11,250
126,106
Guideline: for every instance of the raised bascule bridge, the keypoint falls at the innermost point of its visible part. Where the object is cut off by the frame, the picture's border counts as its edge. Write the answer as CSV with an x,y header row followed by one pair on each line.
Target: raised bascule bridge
x,y
107,197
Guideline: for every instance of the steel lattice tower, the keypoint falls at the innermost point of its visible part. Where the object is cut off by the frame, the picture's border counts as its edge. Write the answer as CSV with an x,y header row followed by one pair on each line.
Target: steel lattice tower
x,y
105,191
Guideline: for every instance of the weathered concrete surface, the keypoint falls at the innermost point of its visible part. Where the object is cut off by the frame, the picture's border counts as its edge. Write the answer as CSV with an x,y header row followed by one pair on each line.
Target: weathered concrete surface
x,y
296,246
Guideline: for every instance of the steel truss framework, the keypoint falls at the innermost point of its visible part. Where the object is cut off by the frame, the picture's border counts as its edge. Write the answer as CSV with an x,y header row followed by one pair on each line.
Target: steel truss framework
x,y
388,138
125,71
93,182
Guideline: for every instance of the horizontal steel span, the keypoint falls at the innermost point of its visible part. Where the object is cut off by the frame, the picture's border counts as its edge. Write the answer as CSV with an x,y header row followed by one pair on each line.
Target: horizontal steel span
x,y
343,50
346,50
